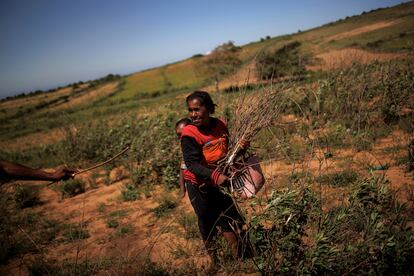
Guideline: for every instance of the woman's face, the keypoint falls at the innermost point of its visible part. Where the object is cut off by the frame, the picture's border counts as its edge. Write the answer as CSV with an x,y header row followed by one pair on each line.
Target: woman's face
x,y
199,114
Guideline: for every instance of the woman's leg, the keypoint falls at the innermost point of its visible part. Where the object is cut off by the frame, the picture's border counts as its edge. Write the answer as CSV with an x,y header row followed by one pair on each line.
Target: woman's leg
x,y
231,222
202,205
232,241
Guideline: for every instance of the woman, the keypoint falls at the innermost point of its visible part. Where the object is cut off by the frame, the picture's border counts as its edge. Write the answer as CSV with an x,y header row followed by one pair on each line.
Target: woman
x,y
204,142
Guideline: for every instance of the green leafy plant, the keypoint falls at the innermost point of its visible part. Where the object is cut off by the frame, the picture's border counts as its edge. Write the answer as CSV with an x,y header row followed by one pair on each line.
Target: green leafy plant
x,y
130,193
26,196
112,223
166,205
338,179
75,232
72,187
123,230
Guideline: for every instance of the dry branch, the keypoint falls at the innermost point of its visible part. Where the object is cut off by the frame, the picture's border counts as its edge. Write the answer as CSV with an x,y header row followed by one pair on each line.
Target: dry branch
x,y
251,114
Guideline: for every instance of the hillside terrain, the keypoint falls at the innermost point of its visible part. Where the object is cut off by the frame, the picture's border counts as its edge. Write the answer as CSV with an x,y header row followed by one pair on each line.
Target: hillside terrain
x,y
338,160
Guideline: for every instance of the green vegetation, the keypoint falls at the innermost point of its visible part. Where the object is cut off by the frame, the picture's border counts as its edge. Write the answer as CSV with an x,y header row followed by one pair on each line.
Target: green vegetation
x,y
75,232
26,196
14,226
166,205
190,225
71,187
286,61
130,193
339,179
222,61
123,230
369,234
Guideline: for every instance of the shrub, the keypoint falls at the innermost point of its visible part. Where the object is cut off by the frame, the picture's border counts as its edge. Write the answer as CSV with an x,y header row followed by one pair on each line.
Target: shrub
x,y
368,235
122,231
170,176
339,179
26,196
96,141
166,205
336,135
283,62
48,230
72,187
363,140
222,61
375,44
129,193
280,247
298,177
75,232
101,207
112,223
190,225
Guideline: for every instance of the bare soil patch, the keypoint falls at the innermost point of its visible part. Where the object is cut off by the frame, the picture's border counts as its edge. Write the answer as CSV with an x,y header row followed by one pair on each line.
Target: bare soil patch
x,y
346,57
361,30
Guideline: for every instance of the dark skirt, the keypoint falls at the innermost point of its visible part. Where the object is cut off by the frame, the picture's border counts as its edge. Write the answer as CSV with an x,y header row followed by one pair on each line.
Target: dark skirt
x,y
214,209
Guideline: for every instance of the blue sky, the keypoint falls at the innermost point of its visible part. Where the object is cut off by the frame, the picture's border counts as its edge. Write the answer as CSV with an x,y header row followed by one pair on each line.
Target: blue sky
x,y
49,43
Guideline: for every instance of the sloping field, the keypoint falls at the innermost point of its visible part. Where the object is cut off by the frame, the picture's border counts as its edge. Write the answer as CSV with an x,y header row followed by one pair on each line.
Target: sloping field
x,y
346,57
87,97
361,30
180,75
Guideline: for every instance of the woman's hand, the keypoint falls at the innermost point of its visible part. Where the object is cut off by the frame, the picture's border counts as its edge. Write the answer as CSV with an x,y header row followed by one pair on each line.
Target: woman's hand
x,y
218,178
221,179
244,144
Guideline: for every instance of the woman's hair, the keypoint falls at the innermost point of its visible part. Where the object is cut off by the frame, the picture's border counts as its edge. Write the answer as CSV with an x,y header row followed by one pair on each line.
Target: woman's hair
x,y
183,121
204,98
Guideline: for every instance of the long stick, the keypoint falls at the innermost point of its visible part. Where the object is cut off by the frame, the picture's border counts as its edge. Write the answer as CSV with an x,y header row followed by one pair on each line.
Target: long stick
x,y
96,166
100,164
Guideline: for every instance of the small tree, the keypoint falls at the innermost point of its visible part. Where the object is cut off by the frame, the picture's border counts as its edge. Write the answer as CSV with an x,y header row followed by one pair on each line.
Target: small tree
x,y
222,61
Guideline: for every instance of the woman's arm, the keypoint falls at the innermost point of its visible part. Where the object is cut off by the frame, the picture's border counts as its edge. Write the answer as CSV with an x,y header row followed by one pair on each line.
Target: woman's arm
x,y
193,157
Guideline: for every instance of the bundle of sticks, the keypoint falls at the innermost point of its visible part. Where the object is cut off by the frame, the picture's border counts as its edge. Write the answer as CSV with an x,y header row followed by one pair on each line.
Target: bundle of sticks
x,y
251,114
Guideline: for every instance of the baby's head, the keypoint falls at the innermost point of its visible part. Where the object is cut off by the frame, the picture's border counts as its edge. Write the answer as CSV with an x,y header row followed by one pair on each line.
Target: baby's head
x,y
180,125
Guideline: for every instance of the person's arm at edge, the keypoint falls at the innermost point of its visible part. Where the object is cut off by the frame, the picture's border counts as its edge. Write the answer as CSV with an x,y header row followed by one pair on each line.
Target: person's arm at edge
x,y
21,172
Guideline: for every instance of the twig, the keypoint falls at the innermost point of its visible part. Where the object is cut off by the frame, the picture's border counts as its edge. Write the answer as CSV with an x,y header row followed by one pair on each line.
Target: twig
x,y
96,166
103,163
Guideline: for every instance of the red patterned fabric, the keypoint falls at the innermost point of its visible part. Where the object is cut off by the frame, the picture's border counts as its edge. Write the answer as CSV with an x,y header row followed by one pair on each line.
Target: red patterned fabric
x,y
214,145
